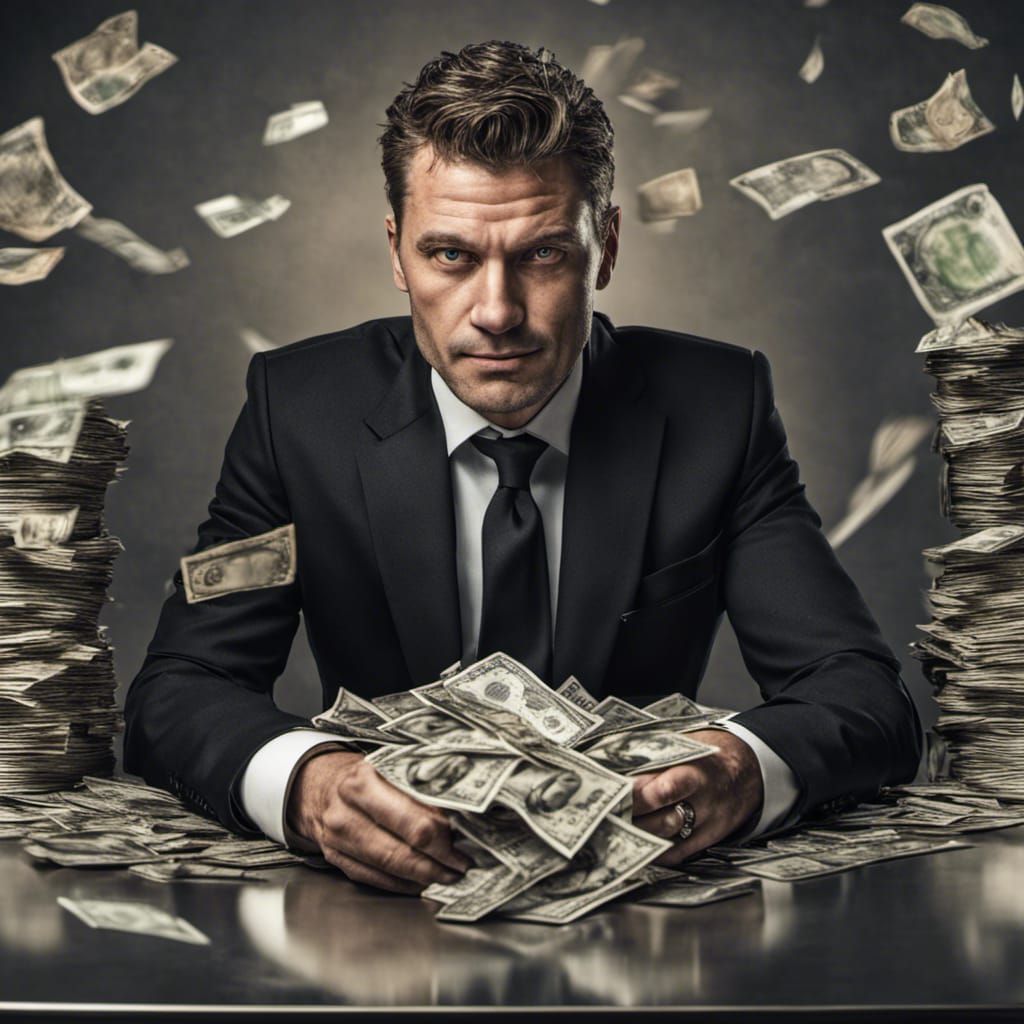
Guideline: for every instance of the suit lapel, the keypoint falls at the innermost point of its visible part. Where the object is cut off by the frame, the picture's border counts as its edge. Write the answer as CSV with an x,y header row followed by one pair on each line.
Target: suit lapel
x,y
614,453
403,464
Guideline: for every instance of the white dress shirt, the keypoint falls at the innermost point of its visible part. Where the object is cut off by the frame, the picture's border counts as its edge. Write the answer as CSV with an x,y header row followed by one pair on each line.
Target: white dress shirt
x,y
267,778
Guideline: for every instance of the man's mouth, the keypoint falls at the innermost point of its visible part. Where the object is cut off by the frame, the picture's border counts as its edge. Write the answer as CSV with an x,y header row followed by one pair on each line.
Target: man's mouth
x,y
502,360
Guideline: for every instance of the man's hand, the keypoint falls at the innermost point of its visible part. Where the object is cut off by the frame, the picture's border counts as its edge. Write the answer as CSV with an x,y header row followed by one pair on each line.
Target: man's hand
x,y
369,829
724,790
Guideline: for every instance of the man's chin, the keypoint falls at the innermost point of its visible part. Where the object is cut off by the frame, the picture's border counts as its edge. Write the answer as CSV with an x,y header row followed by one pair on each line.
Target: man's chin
x,y
502,398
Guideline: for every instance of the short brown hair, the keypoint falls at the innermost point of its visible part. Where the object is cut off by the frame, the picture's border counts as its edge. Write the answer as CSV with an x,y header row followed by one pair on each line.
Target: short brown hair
x,y
499,104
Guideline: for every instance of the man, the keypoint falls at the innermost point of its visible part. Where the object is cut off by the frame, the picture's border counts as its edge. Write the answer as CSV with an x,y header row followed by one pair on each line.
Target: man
x,y
506,470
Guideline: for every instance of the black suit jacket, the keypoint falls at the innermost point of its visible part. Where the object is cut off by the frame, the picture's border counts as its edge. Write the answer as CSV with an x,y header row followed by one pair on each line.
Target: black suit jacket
x,y
681,502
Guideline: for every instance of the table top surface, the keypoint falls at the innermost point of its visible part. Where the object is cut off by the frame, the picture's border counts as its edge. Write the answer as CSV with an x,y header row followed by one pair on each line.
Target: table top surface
x,y
942,930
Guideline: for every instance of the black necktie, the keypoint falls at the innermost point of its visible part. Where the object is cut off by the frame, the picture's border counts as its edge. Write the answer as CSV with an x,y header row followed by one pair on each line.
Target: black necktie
x,y
516,616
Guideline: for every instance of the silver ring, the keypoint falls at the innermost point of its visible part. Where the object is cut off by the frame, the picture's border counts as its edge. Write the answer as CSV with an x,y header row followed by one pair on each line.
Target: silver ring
x,y
688,817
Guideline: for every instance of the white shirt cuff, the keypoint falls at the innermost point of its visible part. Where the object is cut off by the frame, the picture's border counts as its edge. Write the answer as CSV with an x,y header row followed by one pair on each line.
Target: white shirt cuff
x,y
781,789
264,785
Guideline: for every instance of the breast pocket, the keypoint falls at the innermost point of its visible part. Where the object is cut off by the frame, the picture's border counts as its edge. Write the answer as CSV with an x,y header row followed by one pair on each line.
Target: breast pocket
x,y
664,640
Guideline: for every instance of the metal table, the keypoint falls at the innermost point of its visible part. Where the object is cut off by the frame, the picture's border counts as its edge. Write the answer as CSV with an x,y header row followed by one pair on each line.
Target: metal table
x,y
924,938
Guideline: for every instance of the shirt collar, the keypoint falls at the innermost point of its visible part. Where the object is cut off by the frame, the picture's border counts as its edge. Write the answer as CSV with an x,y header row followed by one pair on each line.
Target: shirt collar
x,y
552,424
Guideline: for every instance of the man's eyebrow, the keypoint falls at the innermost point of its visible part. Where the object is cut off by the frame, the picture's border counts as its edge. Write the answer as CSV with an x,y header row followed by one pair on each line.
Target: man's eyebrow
x,y
431,240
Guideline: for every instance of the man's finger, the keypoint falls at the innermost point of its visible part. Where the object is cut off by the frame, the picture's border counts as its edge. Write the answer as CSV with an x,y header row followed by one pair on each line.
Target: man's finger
x,y
361,838
421,827
367,875
665,788
665,822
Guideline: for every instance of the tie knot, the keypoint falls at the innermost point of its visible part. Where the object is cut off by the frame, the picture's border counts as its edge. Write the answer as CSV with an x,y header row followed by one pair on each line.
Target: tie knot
x,y
515,457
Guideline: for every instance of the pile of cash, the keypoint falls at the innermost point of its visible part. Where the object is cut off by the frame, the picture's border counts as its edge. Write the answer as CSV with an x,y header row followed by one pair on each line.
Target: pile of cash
x,y
58,453
971,650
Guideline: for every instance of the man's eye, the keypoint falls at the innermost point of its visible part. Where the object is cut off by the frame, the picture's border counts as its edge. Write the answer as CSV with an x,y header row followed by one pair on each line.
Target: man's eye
x,y
547,254
450,255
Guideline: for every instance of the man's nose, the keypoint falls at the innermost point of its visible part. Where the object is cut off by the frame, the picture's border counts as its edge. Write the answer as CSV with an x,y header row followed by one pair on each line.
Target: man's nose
x,y
498,307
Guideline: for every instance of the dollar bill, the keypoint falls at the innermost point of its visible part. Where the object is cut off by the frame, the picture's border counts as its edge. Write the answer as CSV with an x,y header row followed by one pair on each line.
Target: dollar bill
x,y
688,890
48,431
946,120
252,563
682,122
788,185
499,681
970,429
113,371
606,68
485,889
44,529
35,200
300,119
458,781
180,870
354,718
503,836
959,254
650,85
676,194
1016,98
23,266
573,690
938,22
987,542
394,705
811,69
139,254
137,918
673,705
633,753
439,732
107,67
230,215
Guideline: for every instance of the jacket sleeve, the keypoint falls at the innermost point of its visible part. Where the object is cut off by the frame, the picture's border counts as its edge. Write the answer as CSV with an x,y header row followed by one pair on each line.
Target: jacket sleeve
x,y
835,708
202,702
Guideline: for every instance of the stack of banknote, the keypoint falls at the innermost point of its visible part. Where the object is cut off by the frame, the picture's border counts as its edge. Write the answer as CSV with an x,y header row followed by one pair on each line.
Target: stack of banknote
x,y
58,453
971,650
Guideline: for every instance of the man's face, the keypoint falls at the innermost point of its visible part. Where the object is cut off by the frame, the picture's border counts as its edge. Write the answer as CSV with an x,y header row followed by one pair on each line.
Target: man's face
x,y
501,270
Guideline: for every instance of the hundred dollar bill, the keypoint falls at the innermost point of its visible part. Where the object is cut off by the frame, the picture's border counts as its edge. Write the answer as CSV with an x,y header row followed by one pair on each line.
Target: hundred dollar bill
x,y
43,529
632,753
252,563
355,718
230,215
965,430
139,254
944,121
608,865
49,431
787,185
572,689
301,119
458,781
811,69
35,200
111,371
959,254
676,194
563,805
938,22
137,918
499,681
23,266
1017,98
106,67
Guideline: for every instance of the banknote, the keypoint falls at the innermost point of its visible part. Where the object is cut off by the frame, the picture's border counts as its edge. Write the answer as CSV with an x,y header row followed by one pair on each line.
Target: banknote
x,y
252,563
606,68
691,891
139,254
1017,98
787,185
47,431
498,681
615,712
458,781
563,804
633,753
573,690
676,194
107,67
355,718
682,122
987,541
485,889
649,85
959,254
938,22
112,371
812,67
394,705
300,119
44,529
230,215
946,120
439,732
137,918
970,429
504,836
672,705
35,200
23,266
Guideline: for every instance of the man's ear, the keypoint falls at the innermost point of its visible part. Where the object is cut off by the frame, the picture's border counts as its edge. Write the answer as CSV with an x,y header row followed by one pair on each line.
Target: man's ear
x,y
396,264
611,247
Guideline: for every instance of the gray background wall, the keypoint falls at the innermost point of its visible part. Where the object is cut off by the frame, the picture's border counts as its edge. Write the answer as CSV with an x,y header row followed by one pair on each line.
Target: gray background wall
x,y
817,291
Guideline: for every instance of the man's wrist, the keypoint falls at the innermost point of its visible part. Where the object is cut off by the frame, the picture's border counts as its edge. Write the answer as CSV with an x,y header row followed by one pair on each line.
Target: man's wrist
x,y
303,801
